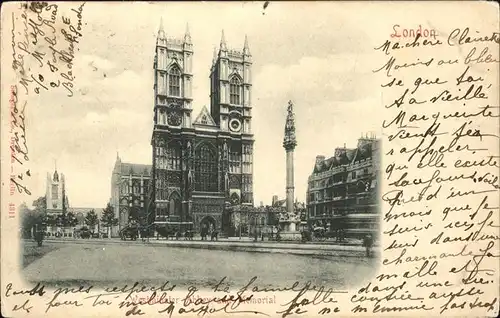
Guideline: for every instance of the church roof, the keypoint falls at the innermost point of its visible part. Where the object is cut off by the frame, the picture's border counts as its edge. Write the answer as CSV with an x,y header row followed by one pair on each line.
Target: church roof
x,y
135,169
344,156
364,151
204,118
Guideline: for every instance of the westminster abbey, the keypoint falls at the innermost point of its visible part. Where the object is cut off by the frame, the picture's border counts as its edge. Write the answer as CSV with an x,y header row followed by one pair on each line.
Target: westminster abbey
x,y
202,167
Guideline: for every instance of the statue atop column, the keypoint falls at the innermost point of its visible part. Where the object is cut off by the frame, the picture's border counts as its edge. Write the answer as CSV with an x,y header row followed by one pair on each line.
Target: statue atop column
x,y
290,141
289,219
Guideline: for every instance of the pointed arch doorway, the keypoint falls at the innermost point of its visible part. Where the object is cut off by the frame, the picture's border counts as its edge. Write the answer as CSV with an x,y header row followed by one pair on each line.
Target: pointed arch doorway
x,y
174,205
207,225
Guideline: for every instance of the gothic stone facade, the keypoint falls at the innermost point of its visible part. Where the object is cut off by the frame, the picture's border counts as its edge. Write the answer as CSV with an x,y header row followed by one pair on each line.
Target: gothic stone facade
x,y
203,167
130,186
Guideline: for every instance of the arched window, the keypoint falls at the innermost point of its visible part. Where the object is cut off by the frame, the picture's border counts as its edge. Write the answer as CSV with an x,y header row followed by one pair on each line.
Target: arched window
x,y
174,82
205,169
235,158
235,91
173,157
174,204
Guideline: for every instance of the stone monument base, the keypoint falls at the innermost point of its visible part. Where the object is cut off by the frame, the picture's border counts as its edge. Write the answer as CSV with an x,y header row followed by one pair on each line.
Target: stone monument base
x,y
290,236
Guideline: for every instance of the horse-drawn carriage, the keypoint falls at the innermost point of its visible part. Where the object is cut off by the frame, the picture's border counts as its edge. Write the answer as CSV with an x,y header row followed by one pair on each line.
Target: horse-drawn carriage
x,y
322,234
130,231
83,233
174,230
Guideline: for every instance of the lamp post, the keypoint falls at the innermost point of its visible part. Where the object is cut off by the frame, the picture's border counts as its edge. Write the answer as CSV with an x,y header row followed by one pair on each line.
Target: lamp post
x,y
239,225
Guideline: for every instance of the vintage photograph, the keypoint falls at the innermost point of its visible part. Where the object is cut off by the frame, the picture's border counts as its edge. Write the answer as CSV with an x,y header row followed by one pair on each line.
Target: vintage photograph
x,y
197,141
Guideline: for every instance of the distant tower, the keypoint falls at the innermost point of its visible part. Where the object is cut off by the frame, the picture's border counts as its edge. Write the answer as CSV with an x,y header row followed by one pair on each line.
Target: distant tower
x,y
56,193
289,143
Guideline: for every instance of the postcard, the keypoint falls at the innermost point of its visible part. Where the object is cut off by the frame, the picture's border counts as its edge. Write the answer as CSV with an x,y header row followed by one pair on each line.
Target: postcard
x,y
277,159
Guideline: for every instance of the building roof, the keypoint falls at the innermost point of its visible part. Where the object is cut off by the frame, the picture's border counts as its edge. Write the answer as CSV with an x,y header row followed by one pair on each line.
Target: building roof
x,y
364,151
279,203
136,169
344,156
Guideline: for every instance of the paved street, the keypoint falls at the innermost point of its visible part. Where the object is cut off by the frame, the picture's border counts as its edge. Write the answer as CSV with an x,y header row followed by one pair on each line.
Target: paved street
x,y
92,263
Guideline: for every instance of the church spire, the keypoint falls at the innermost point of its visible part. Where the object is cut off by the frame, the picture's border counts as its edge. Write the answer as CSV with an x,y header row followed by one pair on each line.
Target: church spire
x,y
187,35
161,31
56,175
289,142
223,46
246,49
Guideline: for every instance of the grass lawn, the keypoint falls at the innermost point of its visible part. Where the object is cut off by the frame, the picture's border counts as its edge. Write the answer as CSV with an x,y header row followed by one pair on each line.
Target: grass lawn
x,y
31,251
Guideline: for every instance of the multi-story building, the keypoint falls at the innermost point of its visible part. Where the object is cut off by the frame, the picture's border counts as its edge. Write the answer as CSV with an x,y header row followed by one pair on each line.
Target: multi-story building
x,y
342,192
130,186
201,167
55,194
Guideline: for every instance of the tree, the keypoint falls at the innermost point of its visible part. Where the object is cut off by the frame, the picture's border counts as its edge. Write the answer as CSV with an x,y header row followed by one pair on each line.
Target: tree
x,y
40,205
108,218
61,219
91,219
71,219
65,201
28,219
40,211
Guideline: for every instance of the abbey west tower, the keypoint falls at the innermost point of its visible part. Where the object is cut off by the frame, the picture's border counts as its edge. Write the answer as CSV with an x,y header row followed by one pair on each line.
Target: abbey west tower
x,y
204,166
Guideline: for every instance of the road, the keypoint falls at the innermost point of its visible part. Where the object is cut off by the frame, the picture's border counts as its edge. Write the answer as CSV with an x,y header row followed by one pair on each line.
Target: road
x,y
98,264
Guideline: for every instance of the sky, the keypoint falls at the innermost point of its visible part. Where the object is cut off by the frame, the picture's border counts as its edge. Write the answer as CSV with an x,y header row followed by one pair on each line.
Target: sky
x,y
319,58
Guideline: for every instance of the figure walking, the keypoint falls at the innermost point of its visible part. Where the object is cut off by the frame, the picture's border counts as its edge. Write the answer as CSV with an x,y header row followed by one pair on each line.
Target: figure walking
x,y
368,243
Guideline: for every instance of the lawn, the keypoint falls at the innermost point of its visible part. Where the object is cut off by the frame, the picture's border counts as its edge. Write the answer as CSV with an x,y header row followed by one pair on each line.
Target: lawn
x,y
32,252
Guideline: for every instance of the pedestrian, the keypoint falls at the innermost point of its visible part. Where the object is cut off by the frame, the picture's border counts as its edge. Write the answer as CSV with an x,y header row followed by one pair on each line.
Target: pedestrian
x,y
368,243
